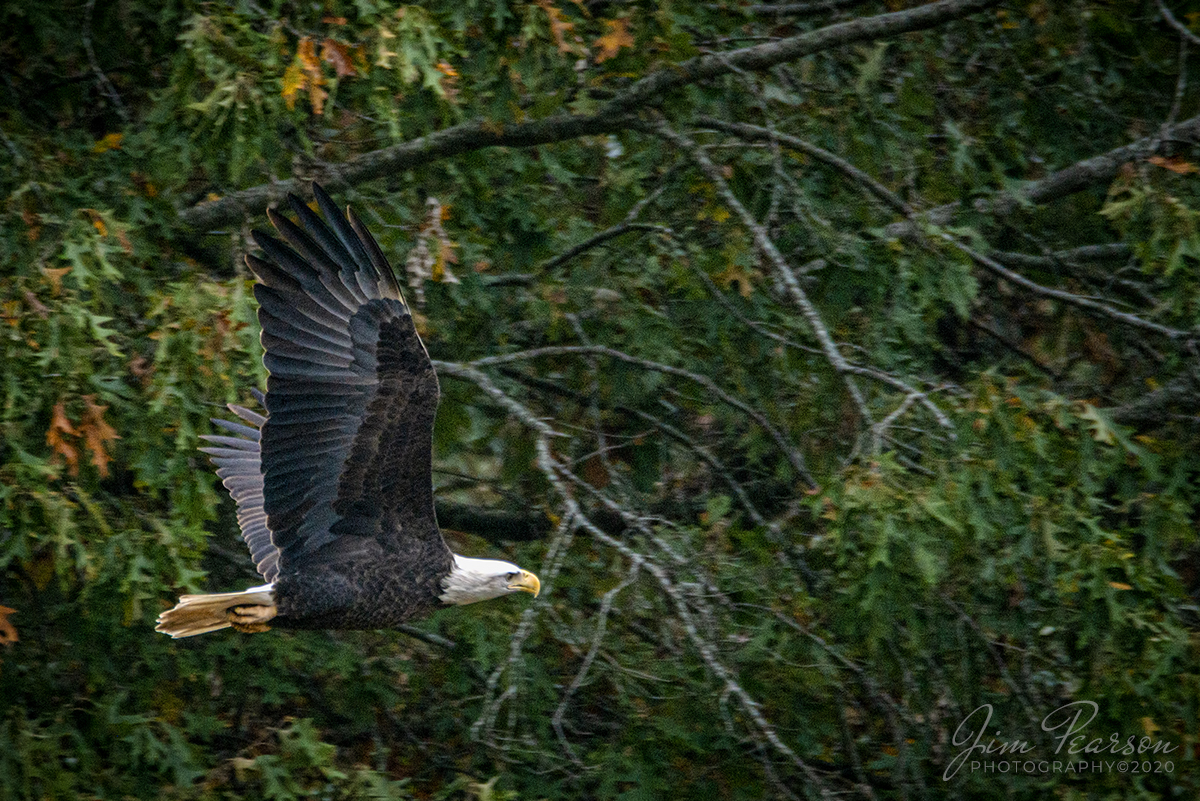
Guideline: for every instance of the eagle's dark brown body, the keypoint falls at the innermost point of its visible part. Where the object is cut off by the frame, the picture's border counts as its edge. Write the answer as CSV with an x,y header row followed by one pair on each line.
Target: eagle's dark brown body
x,y
361,595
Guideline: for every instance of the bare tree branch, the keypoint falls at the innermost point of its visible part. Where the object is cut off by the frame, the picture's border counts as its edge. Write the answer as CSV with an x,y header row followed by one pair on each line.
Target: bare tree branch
x,y
897,203
1067,181
793,456
1067,297
802,9
1176,24
755,132
792,285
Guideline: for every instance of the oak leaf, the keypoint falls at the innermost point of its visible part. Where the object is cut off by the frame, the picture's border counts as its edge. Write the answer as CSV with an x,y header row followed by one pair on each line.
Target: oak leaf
x,y
56,437
8,632
305,73
559,27
97,433
338,54
1174,164
614,38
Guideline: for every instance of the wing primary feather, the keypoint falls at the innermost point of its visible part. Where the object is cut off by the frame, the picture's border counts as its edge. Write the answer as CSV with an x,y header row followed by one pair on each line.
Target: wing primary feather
x,y
253,418
318,254
387,276
319,231
237,443
341,228
337,247
269,275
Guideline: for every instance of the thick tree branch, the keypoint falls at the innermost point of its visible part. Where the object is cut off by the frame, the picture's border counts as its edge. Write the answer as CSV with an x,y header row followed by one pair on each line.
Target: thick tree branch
x,y
614,116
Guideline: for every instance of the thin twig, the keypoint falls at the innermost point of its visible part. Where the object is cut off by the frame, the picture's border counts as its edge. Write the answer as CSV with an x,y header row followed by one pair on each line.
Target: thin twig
x,y
106,86
794,457
1186,34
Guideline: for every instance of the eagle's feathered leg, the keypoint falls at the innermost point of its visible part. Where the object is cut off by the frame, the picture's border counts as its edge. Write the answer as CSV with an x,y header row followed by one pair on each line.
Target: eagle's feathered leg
x,y
251,619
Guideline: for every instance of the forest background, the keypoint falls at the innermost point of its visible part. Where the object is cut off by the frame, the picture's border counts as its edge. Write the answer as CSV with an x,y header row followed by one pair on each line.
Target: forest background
x,y
836,364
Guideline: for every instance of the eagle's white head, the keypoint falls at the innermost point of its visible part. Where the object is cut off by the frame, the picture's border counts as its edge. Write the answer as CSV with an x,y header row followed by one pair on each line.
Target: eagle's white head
x,y
472,580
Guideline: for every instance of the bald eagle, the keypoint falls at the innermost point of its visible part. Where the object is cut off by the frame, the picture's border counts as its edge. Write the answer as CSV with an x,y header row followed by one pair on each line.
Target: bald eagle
x,y
333,485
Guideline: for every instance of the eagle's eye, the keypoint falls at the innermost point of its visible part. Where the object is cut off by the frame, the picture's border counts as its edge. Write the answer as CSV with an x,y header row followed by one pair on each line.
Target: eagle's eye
x,y
510,576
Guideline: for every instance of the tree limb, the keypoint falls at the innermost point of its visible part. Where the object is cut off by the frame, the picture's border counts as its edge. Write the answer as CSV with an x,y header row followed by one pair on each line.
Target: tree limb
x,y
1067,181
615,115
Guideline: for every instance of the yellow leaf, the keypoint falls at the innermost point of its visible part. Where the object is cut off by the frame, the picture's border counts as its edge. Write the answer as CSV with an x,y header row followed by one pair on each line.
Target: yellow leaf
x,y
293,82
305,73
1117,585
55,274
110,141
614,38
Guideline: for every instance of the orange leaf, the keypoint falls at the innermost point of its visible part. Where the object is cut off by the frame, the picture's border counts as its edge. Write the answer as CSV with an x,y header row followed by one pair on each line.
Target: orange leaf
x,y
316,96
8,632
97,432
338,54
61,428
616,37
97,221
1174,164
1117,585
559,27
306,54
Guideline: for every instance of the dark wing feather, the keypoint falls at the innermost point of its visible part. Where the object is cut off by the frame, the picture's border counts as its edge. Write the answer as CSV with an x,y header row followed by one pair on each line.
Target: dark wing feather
x,y
346,447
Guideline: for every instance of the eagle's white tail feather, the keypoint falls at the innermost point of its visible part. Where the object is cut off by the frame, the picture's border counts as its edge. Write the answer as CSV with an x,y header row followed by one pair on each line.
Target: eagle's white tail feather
x,y
200,614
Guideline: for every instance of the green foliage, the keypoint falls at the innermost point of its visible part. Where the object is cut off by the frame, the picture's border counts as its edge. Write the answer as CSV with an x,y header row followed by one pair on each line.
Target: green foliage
x,y
1040,549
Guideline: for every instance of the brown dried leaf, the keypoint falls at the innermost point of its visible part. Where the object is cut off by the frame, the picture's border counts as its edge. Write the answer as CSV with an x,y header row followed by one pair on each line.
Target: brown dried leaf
x,y
97,433
8,632
338,54
61,428
1174,164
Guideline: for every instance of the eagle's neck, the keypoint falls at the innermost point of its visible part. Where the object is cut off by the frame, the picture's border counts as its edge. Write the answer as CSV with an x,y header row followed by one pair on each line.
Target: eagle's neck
x,y
472,580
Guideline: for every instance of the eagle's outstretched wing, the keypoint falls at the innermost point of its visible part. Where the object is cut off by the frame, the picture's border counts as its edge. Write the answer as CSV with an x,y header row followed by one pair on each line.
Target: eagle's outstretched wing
x,y
346,446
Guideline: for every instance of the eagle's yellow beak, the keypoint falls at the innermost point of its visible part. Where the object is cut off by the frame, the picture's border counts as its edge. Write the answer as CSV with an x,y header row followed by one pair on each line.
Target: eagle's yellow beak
x,y
528,582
